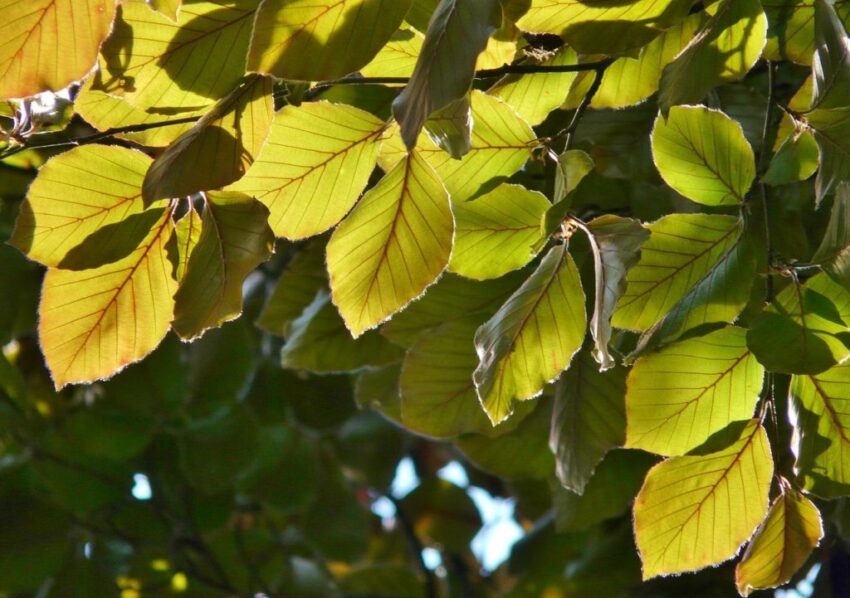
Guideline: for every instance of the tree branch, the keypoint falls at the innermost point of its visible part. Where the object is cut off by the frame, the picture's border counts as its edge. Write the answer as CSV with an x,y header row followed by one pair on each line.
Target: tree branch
x,y
765,153
509,69
585,103
415,547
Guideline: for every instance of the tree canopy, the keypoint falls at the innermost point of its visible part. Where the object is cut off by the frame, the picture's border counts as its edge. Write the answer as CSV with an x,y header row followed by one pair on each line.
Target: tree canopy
x,y
260,256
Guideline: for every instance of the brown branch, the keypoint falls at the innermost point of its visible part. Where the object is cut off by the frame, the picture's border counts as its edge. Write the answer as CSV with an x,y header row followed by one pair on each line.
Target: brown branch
x,y
509,69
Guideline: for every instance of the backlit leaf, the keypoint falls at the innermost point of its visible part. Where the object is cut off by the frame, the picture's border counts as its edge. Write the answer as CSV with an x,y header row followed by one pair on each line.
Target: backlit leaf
x,y
296,288
831,63
819,407
520,453
791,31
49,44
725,49
226,140
451,298
187,233
169,8
457,33
398,56
392,246
615,243
533,336
105,111
314,165
501,145
682,251
630,80
781,545
234,240
609,492
85,208
834,251
319,342
338,36
703,154
809,328
697,511
603,28
573,165
437,393
535,95
450,128
687,391
588,420
831,129
169,67
795,158
96,322
503,222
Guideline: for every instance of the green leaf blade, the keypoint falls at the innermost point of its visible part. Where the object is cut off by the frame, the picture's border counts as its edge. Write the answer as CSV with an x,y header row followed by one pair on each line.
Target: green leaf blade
x,y
234,240
392,246
703,154
533,337
697,511
678,397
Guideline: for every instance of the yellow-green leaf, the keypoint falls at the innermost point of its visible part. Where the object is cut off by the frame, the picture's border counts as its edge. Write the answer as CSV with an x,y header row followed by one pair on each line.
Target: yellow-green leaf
x,y
807,325
684,393
781,545
501,145
796,155
791,29
451,128
697,511
187,233
831,63
105,111
319,342
437,393
169,8
535,95
833,254
497,232
398,56
219,149
168,67
315,40
631,80
457,33
819,407
703,154
49,44
533,336
451,298
725,49
314,165
603,27
684,252
96,322
519,453
85,209
392,246
235,239
296,288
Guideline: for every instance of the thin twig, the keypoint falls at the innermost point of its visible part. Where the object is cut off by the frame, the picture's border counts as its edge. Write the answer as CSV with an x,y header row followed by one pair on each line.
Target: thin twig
x,y
765,154
509,69
416,547
567,133
95,137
